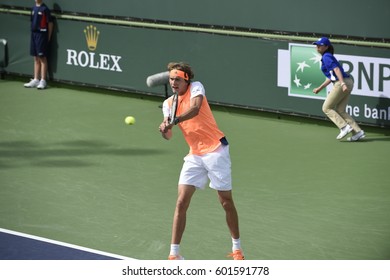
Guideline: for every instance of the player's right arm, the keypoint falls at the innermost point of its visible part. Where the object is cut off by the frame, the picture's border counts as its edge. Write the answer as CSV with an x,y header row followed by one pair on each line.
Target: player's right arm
x,y
166,128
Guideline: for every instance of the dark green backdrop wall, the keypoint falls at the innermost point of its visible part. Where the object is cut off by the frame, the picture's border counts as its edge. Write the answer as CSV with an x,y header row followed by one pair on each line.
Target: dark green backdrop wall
x,y
236,70
349,17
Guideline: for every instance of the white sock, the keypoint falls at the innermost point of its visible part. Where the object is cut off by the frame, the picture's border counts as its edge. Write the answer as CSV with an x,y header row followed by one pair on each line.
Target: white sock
x,y
175,249
236,244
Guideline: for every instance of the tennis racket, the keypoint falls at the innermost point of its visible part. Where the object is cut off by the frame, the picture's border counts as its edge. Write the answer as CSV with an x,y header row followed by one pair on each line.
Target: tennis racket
x,y
172,116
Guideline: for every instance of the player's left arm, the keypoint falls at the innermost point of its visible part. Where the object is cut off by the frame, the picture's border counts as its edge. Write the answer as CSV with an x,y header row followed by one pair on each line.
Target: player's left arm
x,y
193,111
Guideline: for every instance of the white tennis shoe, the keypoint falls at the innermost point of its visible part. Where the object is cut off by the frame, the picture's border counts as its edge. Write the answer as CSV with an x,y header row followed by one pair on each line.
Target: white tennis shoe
x,y
357,136
32,84
42,84
344,131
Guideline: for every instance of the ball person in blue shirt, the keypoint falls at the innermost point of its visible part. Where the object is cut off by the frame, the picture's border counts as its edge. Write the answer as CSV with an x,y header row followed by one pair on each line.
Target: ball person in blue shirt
x,y
41,30
337,100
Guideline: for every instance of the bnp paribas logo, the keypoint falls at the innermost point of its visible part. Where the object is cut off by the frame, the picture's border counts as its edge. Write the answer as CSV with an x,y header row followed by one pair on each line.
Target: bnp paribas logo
x,y
91,58
305,72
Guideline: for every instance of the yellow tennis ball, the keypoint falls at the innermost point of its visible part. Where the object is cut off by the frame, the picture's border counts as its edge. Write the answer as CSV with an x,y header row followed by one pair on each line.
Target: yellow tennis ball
x,y
130,120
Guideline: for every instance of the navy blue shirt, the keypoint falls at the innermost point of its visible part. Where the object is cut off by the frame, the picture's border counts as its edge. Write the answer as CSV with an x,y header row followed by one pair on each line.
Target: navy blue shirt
x,y
40,18
329,63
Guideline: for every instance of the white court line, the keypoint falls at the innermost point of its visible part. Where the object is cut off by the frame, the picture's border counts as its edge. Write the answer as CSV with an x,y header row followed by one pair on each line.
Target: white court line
x,y
65,244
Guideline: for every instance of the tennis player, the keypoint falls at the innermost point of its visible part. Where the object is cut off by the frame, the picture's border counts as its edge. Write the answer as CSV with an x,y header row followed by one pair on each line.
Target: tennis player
x,y
337,100
208,159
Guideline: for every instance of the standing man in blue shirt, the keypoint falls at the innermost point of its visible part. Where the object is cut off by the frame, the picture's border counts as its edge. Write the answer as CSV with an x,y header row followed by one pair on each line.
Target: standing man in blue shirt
x,y
41,31
337,100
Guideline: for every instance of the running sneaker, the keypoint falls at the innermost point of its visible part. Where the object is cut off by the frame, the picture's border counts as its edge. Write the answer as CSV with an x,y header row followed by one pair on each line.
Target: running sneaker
x,y
237,255
344,131
42,84
32,84
175,258
357,136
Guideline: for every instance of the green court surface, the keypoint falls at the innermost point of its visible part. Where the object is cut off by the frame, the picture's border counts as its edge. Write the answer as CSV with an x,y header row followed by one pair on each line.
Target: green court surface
x,y
71,170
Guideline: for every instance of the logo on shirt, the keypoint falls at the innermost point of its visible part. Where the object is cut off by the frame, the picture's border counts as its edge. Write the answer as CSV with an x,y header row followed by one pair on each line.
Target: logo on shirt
x,y
92,59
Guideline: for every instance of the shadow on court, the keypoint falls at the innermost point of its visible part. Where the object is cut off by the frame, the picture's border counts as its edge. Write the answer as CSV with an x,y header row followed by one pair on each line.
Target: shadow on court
x,y
66,154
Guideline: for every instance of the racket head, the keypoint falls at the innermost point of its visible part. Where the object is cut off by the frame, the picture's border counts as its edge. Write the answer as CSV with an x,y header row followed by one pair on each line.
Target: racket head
x,y
173,109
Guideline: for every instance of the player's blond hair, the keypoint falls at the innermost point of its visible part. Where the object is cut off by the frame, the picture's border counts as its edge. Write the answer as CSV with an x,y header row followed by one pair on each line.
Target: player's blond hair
x,y
185,67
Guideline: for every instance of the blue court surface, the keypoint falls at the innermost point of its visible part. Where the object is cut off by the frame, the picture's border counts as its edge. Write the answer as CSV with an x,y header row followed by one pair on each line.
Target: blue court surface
x,y
19,246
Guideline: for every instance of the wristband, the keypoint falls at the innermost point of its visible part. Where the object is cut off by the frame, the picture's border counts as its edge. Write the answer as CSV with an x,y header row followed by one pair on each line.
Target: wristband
x,y
176,120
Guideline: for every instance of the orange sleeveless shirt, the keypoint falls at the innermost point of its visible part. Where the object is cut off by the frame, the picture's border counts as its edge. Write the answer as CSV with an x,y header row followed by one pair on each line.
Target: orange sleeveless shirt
x,y
201,132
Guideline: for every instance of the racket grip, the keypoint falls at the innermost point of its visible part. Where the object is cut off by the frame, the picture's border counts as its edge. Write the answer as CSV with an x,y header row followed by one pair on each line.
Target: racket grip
x,y
176,120
224,141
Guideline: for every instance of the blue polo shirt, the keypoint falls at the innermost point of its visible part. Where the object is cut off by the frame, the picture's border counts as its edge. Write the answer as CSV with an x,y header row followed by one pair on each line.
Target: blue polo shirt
x,y
329,63
40,18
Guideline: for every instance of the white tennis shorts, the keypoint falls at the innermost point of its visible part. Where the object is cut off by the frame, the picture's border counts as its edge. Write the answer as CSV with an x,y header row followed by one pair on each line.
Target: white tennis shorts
x,y
214,167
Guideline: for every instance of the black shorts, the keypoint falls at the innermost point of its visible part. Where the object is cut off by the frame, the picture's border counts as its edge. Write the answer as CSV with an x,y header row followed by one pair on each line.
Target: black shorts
x,y
39,44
